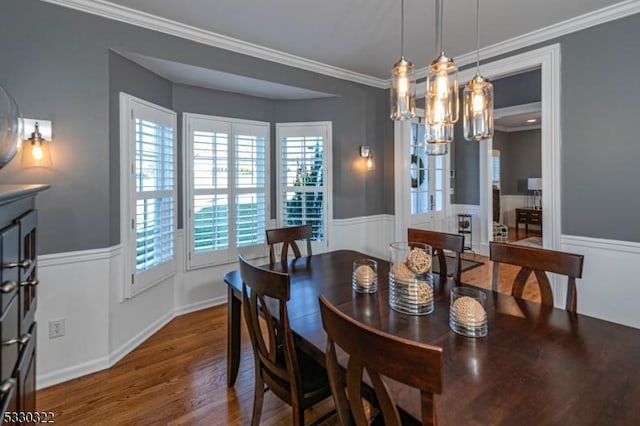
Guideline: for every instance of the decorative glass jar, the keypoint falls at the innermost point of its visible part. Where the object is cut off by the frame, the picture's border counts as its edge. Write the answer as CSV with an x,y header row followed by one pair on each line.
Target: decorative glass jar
x,y
410,278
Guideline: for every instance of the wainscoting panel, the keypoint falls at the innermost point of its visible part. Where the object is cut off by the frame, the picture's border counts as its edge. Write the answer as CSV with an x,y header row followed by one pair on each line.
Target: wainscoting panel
x,y
73,286
610,287
85,288
368,234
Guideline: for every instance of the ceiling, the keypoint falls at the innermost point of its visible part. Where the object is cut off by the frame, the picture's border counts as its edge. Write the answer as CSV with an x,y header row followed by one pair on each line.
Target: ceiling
x,y
519,122
218,80
363,36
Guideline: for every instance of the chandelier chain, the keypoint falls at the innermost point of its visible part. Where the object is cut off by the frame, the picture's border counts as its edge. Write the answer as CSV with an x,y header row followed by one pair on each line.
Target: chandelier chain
x,y
478,37
401,28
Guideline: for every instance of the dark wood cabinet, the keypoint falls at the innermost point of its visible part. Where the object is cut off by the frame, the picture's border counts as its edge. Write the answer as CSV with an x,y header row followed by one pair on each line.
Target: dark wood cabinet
x,y
18,292
528,217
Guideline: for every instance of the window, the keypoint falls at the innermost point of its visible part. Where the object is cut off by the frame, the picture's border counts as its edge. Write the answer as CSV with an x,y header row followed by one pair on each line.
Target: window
x,y
428,178
495,168
304,180
148,188
227,188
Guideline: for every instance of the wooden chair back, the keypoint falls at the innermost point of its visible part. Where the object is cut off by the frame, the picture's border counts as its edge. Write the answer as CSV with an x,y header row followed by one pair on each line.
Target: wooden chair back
x,y
264,292
288,237
537,261
441,241
415,364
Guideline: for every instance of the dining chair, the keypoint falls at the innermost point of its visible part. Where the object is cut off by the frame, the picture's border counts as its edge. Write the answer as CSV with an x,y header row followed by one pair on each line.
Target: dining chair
x,y
288,237
441,241
289,373
415,364
537,261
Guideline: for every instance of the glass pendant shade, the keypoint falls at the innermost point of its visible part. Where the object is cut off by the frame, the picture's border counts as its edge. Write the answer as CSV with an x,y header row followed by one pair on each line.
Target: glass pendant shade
x,y
436,148
403,90
478,109
442,92
438,138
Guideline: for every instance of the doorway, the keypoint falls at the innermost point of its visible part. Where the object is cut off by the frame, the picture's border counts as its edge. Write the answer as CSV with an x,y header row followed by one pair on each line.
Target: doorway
x,y
547,59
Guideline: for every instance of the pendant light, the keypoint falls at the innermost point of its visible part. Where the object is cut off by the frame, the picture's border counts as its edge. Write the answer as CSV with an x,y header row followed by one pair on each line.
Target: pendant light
x,y
478,99
442,82
403,82
438,138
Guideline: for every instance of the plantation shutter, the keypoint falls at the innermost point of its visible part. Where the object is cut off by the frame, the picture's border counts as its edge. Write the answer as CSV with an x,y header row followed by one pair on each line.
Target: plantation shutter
x,y
152,192
302,167
228,167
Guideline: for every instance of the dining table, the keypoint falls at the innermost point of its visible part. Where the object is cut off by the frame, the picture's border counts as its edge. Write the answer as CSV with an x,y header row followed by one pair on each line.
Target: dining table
x,y
537,365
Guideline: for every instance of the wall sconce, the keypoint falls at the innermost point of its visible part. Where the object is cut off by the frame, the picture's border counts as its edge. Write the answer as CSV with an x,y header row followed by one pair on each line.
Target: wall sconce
x,y
365,152
36,151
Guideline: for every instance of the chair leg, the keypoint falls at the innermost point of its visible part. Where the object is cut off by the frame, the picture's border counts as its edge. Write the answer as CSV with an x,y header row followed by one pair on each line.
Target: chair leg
x,y
298,415
258,399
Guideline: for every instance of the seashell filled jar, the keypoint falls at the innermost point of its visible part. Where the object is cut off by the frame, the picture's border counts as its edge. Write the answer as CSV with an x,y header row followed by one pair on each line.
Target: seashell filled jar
x,y
410,279
468,314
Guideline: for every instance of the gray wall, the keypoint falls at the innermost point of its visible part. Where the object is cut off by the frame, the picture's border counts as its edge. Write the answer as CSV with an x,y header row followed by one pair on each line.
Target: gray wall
x,y
600,150
600,145
128,77
70,84
520,159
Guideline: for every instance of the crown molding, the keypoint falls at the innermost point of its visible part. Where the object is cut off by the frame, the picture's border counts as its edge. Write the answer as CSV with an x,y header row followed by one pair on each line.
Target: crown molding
x,y
517,110
517,129
578,23
127,15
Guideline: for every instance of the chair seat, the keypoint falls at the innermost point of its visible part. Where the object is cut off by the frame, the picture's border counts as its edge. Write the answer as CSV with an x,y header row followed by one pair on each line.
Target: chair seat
x,y
315,382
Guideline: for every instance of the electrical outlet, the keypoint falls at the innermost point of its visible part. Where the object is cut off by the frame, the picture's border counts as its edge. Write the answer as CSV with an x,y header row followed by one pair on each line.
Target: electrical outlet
x,y
56,328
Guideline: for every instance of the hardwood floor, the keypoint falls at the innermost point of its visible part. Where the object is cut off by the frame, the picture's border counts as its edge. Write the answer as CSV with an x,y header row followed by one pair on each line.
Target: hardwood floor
x,y
178,377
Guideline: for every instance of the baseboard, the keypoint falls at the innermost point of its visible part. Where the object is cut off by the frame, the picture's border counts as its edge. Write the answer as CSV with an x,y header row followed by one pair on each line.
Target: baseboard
x,y
70,373
200,305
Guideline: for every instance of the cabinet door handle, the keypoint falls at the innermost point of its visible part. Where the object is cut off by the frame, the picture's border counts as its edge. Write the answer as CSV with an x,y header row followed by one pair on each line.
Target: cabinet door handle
x,y
22,340
8,287
7,385
29,282
22,264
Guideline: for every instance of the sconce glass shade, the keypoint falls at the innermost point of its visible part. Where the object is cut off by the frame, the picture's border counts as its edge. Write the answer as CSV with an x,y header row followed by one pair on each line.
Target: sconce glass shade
x,y
442,92
10,127
370,164
403,90
36,151
478,109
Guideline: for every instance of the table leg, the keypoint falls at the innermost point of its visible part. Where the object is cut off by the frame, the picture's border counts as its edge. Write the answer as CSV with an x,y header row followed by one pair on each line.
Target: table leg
x,y
234,307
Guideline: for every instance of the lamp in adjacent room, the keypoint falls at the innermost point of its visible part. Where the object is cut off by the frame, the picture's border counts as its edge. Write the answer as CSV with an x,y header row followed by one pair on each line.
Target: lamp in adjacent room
x,y
36,151
403,82
478,98
535,185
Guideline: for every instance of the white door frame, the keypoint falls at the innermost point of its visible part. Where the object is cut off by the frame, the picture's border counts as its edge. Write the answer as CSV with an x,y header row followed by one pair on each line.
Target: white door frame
x,y
402,149
548,60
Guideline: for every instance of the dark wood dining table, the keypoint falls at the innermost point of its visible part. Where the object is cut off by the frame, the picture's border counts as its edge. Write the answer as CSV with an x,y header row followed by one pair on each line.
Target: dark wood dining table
x,y
538,365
